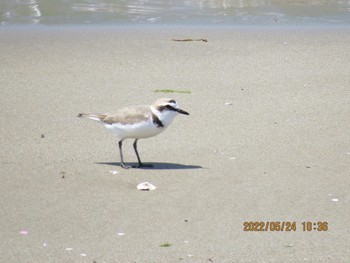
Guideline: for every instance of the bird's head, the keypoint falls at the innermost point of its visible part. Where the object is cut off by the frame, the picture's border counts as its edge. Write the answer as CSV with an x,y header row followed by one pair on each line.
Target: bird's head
x,y
168,106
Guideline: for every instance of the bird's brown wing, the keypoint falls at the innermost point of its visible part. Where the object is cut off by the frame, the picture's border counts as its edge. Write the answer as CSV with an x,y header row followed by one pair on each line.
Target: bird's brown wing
x,y
127,115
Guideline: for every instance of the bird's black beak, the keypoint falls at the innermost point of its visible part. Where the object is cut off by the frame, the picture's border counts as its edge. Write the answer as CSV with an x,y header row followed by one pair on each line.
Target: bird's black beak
x,y
169,107
181,111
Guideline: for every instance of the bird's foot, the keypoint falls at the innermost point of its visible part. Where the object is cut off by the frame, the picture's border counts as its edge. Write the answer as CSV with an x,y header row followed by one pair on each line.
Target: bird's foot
x,y
123,165
147,165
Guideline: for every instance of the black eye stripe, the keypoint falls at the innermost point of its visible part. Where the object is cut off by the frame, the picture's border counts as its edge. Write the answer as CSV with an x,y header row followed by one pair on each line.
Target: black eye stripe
x,y
169,107
172,101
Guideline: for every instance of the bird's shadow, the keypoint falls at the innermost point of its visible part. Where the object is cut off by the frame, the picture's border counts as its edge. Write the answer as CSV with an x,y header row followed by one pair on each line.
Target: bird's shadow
x,y
157,166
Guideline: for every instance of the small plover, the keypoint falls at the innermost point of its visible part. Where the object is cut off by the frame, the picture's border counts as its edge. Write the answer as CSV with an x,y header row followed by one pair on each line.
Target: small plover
x,y
138,122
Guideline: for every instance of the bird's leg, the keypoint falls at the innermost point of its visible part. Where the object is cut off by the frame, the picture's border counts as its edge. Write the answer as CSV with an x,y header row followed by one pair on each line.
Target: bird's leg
x,y
122,164
137,154
138,157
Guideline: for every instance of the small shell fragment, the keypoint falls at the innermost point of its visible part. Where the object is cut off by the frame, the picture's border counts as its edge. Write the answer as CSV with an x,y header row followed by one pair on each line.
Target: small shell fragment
x,y
114,172
24,232
335,199
146,186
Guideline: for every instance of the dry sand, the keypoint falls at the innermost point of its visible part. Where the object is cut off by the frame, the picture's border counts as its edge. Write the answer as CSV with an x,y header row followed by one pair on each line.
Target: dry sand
x,y
268,139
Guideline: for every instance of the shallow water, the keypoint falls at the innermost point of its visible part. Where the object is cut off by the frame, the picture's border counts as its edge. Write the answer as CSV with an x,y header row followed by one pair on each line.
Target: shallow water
x,y
174,12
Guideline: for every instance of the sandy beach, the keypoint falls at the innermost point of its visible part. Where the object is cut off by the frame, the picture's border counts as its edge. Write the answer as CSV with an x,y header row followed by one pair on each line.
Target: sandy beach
x,y
267,140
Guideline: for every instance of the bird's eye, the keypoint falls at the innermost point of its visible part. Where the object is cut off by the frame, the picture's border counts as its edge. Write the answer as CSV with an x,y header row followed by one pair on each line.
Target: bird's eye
x,y
172,101
169,107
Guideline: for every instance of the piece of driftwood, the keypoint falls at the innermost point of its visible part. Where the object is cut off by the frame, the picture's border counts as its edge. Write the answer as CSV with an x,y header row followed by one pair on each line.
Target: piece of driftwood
x,y
190,39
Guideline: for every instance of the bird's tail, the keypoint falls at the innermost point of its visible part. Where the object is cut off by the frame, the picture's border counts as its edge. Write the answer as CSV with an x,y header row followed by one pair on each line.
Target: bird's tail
x,y
95,117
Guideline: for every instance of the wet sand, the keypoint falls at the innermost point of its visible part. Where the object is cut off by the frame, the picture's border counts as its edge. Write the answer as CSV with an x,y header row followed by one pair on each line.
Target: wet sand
x,y
267,140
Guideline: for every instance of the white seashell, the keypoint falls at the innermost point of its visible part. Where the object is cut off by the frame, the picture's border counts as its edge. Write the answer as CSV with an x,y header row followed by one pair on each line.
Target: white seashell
x,y
146,186
114,172
24,232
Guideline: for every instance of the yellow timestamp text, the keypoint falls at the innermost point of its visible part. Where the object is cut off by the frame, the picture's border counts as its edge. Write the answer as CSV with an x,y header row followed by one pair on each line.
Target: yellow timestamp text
x,y
286,226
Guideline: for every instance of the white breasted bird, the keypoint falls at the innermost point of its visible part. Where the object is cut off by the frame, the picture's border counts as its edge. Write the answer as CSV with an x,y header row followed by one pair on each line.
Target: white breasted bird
x,y
138,122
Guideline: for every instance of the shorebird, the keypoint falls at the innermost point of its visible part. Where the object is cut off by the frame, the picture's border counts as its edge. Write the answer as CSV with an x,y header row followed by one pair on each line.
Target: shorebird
x,y
138,122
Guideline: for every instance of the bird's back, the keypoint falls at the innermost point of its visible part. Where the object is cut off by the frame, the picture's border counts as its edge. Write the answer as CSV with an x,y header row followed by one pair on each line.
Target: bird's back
x,y
129,115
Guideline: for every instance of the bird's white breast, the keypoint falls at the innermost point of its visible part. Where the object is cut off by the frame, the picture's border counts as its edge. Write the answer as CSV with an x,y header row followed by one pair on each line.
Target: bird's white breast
x,y
144,129
166,117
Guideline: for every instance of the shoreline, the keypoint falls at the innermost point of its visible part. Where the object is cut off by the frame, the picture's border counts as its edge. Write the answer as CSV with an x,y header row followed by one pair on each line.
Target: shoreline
x,y
272,26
